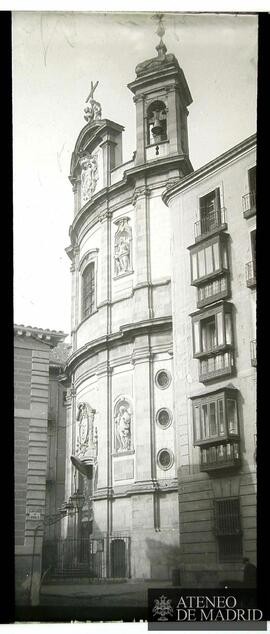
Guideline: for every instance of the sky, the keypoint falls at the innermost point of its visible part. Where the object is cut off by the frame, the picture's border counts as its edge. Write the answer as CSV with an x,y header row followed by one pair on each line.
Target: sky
x,y
56,55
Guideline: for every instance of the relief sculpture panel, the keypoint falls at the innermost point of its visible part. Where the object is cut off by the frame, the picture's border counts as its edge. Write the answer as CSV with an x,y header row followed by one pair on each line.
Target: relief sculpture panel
x,y
123,440
122,248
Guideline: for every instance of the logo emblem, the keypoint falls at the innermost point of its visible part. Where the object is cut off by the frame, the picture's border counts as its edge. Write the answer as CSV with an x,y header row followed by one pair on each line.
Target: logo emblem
x,y
162,607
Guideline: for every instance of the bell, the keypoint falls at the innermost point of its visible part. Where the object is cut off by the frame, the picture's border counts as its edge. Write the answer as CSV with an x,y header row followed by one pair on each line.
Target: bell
x,y
157,128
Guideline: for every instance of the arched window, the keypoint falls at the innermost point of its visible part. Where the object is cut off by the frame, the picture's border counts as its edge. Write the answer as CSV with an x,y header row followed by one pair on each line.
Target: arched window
x,y
156,122
88,290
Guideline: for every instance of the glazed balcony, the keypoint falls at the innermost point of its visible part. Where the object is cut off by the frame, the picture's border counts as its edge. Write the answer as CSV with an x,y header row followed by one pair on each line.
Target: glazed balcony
x,y
251,274
253,352
220,456
216,365
249,204
213,341
216,429
211,223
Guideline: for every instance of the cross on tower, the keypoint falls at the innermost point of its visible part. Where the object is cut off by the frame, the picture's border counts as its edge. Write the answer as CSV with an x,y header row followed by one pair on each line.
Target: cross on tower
x,y
93,88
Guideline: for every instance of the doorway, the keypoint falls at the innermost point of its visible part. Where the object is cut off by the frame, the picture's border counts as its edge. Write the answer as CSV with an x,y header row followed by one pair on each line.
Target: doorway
x,y
118,558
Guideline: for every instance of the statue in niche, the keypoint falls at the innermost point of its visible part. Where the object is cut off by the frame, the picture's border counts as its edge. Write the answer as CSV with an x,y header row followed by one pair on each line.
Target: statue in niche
x,y
122,421
89,176
86,448
92,108
122,247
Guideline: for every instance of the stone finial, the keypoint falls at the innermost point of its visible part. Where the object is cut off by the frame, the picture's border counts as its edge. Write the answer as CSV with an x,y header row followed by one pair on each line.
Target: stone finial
x,y
92,108
160,48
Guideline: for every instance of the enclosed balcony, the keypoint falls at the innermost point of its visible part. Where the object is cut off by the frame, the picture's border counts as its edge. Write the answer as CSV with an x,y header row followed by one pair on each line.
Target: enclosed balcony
x,y
213,341
220,456
215,366
216,429
251,274
210,223
210,269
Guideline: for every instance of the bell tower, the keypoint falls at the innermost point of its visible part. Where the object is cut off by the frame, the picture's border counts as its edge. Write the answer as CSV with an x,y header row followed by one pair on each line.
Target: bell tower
x,y
162,97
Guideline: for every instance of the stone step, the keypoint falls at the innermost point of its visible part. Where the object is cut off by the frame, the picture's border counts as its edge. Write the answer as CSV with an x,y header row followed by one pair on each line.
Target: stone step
x,y
80,580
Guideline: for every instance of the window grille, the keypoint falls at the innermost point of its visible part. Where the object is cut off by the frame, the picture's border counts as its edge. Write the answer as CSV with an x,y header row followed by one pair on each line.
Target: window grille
x,y
228,529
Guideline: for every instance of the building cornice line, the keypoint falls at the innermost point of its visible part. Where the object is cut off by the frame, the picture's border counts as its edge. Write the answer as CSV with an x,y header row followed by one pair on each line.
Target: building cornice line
x,y
129,175
127,331
208,168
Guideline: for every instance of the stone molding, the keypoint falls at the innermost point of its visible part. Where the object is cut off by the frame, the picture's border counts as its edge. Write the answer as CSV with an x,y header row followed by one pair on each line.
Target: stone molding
x,y
107,193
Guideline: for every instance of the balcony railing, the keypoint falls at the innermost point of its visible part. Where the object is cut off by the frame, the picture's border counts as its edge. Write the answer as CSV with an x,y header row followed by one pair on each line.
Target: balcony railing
x,y
249,204
251,274
216,365
210,223
253,352
220,456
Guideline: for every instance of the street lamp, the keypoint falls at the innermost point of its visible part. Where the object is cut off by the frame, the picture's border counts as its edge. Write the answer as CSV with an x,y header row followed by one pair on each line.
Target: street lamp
x,y
77,500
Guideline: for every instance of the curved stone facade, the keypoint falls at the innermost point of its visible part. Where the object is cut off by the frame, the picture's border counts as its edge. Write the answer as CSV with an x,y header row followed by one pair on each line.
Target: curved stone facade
x,y
121,364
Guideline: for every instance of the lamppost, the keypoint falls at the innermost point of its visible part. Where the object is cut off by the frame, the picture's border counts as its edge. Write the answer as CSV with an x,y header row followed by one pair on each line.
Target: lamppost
x,y
77,500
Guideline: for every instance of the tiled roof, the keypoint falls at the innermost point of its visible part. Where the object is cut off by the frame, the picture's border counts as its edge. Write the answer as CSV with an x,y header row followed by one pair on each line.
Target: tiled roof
x,y
52,337
59,354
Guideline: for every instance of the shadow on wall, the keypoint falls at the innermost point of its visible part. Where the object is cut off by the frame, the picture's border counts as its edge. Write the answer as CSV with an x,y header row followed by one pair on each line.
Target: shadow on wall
x,y
217,522
164,559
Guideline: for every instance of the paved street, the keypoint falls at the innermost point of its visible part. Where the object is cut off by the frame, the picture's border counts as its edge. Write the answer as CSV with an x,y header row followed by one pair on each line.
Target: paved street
x,y
99,595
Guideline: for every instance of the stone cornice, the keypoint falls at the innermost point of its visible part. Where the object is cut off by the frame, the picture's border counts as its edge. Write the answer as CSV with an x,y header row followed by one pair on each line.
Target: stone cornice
x,y
129,179
210,167
126,332
127,490
168,71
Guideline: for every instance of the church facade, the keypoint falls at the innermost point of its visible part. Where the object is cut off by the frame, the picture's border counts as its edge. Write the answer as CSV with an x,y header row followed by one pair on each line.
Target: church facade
x,y
121,430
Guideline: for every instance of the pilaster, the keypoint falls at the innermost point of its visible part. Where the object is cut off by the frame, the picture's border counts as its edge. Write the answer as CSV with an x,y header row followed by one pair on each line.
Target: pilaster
x,y
142,305
105,264
140,130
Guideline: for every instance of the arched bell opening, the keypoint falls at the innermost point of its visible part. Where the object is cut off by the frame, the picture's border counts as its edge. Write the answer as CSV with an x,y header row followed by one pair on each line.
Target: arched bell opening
x,y
156,123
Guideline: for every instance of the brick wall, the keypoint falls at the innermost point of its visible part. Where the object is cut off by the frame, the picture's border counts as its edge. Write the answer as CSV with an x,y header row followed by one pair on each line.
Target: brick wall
x,y
21,465
22,377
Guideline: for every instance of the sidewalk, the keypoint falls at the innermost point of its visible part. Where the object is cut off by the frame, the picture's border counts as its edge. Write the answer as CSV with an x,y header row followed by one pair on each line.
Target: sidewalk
x,y
102,594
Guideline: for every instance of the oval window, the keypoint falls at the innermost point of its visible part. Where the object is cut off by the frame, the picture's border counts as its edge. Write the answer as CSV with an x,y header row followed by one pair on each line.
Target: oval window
x,y
165,459
164,417
163,379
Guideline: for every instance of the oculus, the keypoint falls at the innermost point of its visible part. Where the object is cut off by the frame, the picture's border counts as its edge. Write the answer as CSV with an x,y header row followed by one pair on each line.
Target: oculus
x,y
165,459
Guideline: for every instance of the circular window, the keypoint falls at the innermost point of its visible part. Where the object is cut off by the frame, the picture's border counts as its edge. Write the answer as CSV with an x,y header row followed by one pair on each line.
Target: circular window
x,y
164,417
165,459
163,379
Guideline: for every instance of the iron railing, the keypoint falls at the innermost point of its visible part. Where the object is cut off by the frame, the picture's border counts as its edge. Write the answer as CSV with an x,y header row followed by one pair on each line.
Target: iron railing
x,y
253,352
249,201
251,273
96,558
210,222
